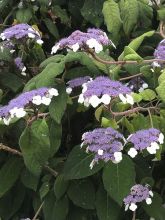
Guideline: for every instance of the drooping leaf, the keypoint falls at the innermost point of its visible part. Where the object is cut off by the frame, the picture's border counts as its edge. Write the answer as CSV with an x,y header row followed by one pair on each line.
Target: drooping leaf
x,y
82,193
35,146
119,178
77,164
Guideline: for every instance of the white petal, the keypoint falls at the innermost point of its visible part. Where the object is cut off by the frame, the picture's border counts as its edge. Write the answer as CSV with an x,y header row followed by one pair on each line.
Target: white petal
x,y
105,99
91,42
129,99
20,113
75,47
123,98
30,35
145,85
45,100
151,193
12,51
6,121
39,41
81,98
151,150
92,164
161,138
126,207
133,207
53,92
132,152
100,152
37,100
141,89
155,145
55,48
94,101
118,156
98,48
68,90
148,201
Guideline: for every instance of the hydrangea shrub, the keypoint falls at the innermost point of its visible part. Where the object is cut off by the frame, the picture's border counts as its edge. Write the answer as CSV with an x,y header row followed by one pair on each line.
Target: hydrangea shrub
x,y
82,114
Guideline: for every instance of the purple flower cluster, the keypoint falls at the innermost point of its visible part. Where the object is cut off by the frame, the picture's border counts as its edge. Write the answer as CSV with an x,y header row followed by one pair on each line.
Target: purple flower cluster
x,y
105,143
159,53
101,90
145,139
17,107
137,84
138,193
21,31
93,38
20,65
76,83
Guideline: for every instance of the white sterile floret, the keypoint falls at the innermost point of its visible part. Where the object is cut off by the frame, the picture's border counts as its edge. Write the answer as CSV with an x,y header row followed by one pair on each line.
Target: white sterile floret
x,y
151,150
106,99
81,98
132,152
129,99
118,156
141,89
20,113
86,102
133,207
98,48
156,64
30,35
55,48
24,69
23,73
12,51
151,193
84,86
93,43
75,47
94,101
148,201
2,36
126,207
161,138
37,100
100,152
92,164
6,121
123,98
68,90
39,41
155,145
145,85
53,92
46,100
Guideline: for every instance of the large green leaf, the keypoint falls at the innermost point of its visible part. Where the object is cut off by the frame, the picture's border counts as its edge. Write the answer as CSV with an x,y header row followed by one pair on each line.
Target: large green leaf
x,y
9,173
29,180
91,11
58,104
82,193
106,208
77,164
112,17
129,14
24,15
145,13
60,186
119,178
161,91
148,95
35,146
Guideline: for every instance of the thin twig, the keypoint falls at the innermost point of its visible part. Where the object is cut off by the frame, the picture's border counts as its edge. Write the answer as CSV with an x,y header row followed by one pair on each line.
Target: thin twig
x,y
38,211
150,116
16,152
130,77
134,216
122,62
130,111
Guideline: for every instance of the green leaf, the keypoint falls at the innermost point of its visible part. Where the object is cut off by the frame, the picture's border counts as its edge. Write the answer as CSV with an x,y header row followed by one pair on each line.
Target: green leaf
x,y
161,91
51,27
161,14
161,77
62,14
60,186
53,59
35,146
29,180
119,178
148,95
49,203
145,13
24,15
77,164
61,209
135,44
7,177
130,54
109,123
58,104
82,193
129,14
91,11
106,208
55,137
112,17
11,81
136,97
5,54
128,125
44,189
156,209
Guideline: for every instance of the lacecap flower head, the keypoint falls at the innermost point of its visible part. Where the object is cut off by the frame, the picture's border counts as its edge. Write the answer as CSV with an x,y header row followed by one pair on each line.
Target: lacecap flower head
x,y
93,38
21,31
105,143
102,90
17,107
148,139
77,82
138,193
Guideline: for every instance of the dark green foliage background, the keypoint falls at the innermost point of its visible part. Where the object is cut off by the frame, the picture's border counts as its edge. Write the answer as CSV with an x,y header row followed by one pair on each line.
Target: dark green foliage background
x,y
53,170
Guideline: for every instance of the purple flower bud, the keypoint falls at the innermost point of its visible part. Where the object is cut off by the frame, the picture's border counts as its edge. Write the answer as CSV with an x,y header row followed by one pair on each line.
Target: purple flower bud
x,y
137,84
18,62
138,193
17,107
145,139
93,38
105,143
101,90
20,31
160,50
